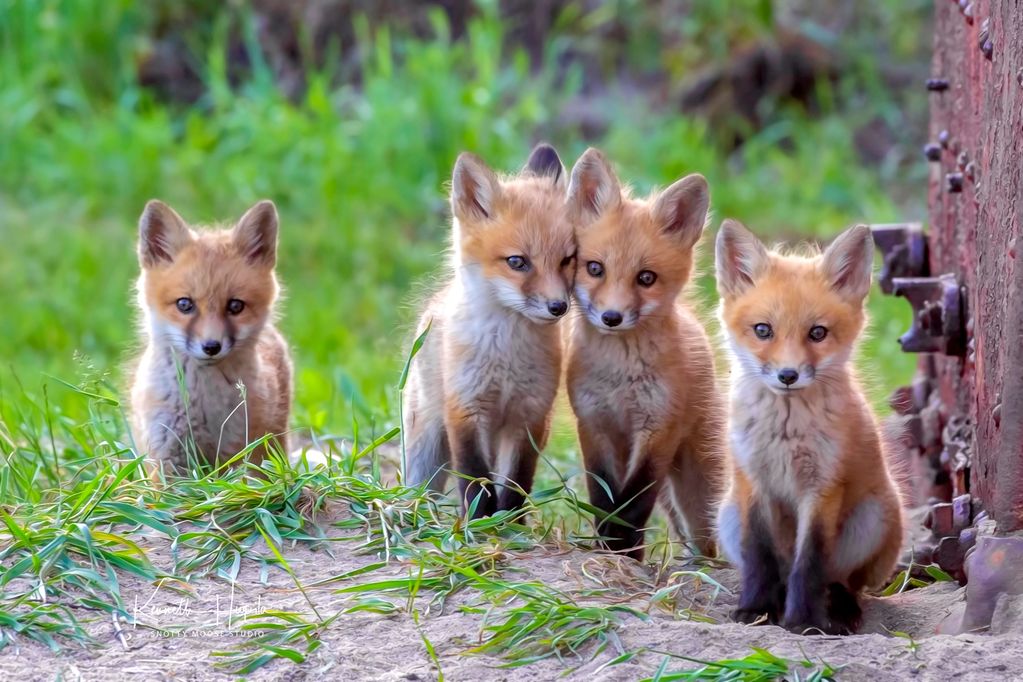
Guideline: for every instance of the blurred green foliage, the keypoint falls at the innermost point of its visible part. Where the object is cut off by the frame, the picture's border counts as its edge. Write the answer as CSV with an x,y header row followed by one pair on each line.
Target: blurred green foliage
x,y
358,166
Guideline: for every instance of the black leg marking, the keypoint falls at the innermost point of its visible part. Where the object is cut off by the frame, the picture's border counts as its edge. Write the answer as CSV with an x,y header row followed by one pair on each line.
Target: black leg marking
x,y
762,589
843,610
805,602
640,494
523,468
469,462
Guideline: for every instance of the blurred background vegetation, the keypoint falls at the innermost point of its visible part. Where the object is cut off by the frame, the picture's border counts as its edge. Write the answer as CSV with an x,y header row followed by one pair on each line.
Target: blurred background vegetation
x,y
805,117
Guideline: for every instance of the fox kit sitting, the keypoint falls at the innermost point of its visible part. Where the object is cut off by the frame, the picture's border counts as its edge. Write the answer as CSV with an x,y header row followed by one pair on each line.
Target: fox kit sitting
x,y
215,374
481,389
640,369
812,515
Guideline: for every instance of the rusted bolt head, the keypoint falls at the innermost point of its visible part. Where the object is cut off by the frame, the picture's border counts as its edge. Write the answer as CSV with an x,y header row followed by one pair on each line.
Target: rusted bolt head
x,y
962,160
932,152
937,84
954,183
943,139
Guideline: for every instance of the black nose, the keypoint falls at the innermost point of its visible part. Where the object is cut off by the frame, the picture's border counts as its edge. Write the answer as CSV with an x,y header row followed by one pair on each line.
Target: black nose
x,y
557,308
788,376
612,318
211,348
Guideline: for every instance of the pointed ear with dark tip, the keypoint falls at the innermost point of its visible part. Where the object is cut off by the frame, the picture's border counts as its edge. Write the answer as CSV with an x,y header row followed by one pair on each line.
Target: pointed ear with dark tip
x,y
162,234
545,162
739,258
256,234
475,189
682,208
849,261
593,189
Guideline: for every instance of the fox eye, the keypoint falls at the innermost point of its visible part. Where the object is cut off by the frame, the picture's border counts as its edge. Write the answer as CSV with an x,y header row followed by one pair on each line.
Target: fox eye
x,y
185,305
235,306
646,278
763,330
519,263
818,333
595,269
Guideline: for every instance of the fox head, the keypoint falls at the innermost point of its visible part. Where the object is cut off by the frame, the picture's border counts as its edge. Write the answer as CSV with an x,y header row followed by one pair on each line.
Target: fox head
x,y
513,243
792,321
207,293
634,256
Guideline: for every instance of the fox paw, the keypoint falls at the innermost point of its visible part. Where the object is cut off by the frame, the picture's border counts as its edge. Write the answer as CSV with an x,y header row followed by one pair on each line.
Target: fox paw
x,y
843,610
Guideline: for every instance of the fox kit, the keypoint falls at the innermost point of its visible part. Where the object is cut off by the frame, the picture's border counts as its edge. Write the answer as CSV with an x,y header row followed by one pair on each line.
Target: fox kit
x,y
640,367
812,515
481,389
215,374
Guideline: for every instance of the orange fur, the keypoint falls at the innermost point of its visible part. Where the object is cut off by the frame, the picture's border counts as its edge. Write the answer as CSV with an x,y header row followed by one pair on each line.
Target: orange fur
x,y
643,389
242,391
808,460
481,390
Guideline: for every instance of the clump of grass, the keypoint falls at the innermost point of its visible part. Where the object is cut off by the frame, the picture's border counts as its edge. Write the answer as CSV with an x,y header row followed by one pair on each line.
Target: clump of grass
x,y
759,666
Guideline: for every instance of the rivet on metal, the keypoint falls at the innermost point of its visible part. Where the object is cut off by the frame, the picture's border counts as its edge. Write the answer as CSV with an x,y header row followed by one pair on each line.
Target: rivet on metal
x,y
954,183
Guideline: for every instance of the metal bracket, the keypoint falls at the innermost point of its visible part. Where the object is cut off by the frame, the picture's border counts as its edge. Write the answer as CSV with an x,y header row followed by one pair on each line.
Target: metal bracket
x,y
938,314
904,250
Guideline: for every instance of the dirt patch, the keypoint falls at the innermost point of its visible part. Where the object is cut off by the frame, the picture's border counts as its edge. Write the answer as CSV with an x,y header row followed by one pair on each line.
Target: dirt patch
x,y
177,633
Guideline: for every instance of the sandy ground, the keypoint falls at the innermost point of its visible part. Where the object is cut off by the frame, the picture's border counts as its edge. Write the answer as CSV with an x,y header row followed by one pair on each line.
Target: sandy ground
x,y
367,646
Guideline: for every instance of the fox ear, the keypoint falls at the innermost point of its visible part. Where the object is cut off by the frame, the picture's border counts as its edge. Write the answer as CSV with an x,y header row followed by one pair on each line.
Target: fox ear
x,y
474,188
255,235
739,258
593,189
162,234
545,162
849,261
682,208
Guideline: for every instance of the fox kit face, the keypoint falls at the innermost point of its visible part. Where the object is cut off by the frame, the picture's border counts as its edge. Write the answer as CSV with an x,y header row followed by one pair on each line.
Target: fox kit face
x,y
207,293
634,256
514,244
792,321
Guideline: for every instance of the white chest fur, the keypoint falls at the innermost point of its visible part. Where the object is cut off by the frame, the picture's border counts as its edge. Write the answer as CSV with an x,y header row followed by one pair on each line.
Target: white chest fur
x,y
788,444
618,385
202,403
500,362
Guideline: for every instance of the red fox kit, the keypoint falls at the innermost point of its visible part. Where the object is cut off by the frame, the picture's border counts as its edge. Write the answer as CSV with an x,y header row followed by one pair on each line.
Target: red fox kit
x,y
484,382
812,515
207,300
640,367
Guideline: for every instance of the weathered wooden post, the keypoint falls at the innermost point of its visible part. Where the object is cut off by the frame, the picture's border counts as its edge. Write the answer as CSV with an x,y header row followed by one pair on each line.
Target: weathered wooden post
x,y
965,283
